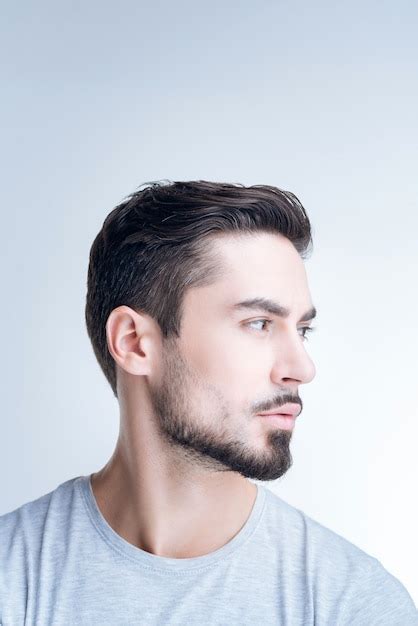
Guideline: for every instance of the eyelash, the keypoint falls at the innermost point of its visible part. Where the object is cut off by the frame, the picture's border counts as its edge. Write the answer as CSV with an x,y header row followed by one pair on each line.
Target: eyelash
x,y
307,329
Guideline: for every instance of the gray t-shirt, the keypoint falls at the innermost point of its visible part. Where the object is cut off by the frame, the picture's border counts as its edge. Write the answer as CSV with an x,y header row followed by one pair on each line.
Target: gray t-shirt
x,y
62,563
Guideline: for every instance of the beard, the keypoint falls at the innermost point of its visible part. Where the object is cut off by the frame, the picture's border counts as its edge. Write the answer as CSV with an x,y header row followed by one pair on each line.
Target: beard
x,y
185,428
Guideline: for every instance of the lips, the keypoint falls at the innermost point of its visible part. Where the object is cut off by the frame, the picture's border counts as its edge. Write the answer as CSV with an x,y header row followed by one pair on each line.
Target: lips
x,y
289,409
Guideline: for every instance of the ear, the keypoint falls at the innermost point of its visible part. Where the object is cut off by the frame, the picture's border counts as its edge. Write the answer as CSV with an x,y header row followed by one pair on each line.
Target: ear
x,y
132,340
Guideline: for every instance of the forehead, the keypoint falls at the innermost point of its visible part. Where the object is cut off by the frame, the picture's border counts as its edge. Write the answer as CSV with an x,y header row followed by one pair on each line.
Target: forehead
x,y
260,265
232,247
262,261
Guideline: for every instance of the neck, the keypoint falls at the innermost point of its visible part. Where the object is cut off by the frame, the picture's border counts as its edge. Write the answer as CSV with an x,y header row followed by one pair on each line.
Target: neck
x,y
165,505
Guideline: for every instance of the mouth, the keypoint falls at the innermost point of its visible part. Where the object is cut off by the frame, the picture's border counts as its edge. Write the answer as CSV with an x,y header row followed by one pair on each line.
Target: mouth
x,y
290,409
283,417
282,420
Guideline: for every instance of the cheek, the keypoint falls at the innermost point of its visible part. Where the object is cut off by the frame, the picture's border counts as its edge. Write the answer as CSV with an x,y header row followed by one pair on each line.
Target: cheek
x,y
230,360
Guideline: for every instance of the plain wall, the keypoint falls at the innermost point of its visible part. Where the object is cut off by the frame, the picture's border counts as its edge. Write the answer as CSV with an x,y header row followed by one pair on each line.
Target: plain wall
x,y
316,98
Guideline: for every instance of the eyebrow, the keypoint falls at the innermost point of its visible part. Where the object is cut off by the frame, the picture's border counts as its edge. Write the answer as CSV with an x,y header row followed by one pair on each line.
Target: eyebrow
x,y
272,307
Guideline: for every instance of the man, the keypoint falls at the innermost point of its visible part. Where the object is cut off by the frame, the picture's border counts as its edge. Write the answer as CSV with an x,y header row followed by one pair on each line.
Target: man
x,y
197,308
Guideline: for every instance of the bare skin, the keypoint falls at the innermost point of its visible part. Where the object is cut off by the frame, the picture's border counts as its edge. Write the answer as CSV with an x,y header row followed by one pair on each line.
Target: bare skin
x,y
177,484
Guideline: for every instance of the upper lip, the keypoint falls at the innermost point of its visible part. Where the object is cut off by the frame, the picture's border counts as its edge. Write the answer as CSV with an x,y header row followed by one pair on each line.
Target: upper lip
x,y
286,409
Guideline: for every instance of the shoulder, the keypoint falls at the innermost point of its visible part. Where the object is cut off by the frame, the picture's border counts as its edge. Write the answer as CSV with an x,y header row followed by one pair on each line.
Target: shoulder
x,y
325,549
378,597
30,516
23,529
21,526
340,573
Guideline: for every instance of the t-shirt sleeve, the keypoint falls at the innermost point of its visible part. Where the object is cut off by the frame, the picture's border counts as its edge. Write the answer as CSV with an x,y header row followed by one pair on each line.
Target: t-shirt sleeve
x,y
378,599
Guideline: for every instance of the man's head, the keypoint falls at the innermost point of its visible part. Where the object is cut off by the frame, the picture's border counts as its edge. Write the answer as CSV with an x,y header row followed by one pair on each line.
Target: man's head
x,y
172,263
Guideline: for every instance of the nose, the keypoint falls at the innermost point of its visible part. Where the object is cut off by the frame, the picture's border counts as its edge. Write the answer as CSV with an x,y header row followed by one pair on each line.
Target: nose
x,y
292,362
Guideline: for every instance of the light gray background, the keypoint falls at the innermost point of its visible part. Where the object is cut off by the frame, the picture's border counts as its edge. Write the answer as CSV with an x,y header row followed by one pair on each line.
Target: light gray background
x,y
318,98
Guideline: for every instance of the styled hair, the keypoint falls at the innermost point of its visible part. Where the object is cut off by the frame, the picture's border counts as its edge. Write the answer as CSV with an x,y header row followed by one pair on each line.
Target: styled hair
x,y
156,244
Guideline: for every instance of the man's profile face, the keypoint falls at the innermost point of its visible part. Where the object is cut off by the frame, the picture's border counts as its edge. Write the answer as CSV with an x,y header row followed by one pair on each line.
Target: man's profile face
x,y
229,364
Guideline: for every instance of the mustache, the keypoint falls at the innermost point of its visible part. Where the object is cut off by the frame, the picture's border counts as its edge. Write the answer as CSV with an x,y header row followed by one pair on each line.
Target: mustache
x,y
280,401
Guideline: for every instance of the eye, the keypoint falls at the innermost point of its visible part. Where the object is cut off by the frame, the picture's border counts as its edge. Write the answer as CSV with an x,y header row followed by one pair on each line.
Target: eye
x,y
305,329
259,322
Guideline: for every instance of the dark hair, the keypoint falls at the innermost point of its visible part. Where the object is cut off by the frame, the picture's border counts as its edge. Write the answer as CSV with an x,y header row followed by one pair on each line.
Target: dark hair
x,y
156,244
